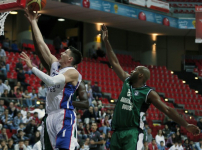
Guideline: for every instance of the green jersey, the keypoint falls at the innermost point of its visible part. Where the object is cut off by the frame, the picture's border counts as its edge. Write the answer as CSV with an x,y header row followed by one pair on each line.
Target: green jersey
x,y
131,107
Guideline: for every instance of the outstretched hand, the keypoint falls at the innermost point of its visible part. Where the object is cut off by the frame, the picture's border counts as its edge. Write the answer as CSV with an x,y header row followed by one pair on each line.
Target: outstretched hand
x,y
31,16
193,129
104,33
26,58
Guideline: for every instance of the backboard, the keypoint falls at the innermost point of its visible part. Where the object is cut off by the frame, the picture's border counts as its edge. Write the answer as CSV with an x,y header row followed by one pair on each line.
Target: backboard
x,y
8,5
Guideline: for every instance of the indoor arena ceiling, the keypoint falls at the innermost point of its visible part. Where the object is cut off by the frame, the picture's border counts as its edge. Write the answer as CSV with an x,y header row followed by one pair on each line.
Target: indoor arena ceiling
x,y
73,12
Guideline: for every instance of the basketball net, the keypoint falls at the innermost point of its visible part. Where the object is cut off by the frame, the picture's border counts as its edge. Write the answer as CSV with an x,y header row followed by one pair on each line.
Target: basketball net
x,y
2,20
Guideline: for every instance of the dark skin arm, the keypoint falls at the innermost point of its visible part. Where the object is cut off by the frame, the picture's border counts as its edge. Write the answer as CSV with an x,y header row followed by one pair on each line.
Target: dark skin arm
x,y
154,98
83,103
112,56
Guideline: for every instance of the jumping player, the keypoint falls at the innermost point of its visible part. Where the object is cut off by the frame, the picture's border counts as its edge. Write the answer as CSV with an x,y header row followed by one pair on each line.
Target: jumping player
x,y
63,81
133,102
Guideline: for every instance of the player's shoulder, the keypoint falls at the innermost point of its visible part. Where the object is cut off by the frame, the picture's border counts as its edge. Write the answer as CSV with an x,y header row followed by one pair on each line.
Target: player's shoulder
x,y
72,72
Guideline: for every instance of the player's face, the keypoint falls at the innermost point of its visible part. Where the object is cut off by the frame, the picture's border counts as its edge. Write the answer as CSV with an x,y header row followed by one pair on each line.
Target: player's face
x,y
134,74
66,56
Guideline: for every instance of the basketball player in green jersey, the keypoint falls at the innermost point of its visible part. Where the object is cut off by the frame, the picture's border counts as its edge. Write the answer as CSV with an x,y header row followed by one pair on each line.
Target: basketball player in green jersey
x,y
133,102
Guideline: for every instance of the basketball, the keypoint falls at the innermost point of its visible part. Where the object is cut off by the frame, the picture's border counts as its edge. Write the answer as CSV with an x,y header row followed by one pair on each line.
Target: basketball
x,y
36,5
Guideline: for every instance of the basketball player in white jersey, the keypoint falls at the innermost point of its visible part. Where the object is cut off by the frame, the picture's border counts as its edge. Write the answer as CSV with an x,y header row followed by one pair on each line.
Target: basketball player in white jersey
x,y
63,82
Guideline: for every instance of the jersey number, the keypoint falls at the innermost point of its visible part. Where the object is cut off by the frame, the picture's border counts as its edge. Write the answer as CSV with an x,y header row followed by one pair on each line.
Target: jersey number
x,y
52,89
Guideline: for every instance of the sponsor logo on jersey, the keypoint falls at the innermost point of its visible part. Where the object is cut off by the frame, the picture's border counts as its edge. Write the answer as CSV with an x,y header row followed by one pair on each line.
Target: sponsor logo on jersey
x,y
126,100
127,107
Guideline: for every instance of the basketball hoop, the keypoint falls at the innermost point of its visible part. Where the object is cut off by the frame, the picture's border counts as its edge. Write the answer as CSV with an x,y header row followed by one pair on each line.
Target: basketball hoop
x,y
2,20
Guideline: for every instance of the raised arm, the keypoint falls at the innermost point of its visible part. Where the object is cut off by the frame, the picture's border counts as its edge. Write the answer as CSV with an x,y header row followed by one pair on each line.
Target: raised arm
x,y
83,103
40,44
154,98
112,57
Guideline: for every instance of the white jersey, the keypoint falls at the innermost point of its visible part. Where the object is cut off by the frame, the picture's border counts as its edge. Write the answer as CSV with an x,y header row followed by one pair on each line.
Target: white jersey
x,y
60,96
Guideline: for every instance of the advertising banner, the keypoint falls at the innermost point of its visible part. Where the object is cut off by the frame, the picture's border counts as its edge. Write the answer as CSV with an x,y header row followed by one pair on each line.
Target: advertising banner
x,y
138,2
198,10
158,5
73,2
129,11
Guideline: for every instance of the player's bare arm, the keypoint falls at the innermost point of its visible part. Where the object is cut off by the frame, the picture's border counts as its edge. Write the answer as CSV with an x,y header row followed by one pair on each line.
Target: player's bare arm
x,y
112,56
154,98
43,48
83,103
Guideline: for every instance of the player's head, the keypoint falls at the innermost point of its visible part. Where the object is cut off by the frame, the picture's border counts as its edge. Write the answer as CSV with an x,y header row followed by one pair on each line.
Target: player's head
x,y
140,73
71,56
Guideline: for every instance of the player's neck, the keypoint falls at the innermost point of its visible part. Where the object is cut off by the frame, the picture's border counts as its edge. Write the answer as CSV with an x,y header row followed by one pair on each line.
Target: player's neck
x,y
137,85
64,65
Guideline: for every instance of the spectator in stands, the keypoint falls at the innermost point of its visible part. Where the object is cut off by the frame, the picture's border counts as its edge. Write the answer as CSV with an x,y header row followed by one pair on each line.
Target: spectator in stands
x,y
34,138
171,140
19,65
3,67
14,46
166,131
19,97
180,147
42,92
152,145
149,136
97,114
174,147
2,87
96,139
18,86
88,115
105,125
178,136
12,110
172,125
88,86
57,43
159,137
20,145
1,107
12,95
31,128
21,78
81,131
78,118
10,144
26,120
3,145
64,44
35,61
97,102
7,120
145,146
26,98
23,112
161,146
146,127
34,98
21,127
7,85
198,145
28,147
2,53
3,135
86,144
96,90
199,124
6,44
17,120
36,118
87,129
19,136
5,95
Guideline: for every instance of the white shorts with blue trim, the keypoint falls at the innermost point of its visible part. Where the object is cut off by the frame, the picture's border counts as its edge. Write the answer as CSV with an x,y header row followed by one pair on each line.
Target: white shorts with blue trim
x,y
61,128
